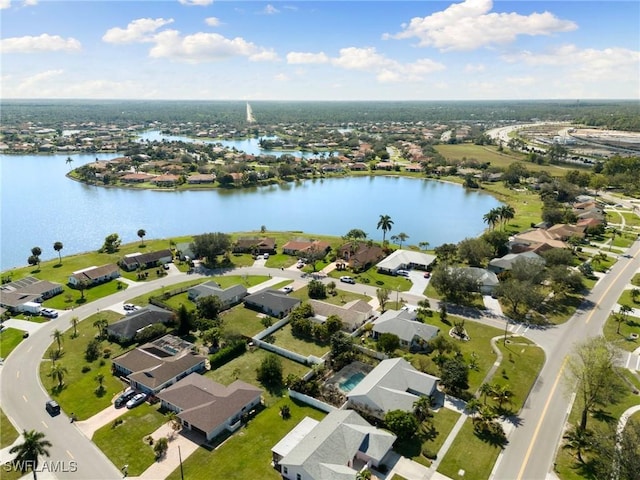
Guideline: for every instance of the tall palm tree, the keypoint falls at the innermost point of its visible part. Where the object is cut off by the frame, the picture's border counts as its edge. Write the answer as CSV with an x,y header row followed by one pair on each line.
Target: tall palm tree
x,y
74,324
101,324
502,394
579,440
57,246
422,408
506,213
69,161
402,237
33,446
473,407
57,373
58,336
491,218
141,234
485,390
364,474
385,223
424,245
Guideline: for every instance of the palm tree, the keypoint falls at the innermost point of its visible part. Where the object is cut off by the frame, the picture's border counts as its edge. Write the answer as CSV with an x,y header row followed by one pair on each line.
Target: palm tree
x,y
364,474
141,234
57,246
57,373
58,336
422,408
614,232
33,446
54,356
485,390
501,394
473,407
101,324
623,311
492,217
424,245
579,440
402,237
74,324
385,223
506,213
69,161
174,421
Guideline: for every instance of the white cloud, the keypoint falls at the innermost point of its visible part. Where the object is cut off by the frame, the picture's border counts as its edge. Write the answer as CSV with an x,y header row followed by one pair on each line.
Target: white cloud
x,y
204,47
521,81
198,3
139,30
306,57
264,55
270,10
212,21
25,3
281,77
5,4
474,68
30,3
41,43
470,25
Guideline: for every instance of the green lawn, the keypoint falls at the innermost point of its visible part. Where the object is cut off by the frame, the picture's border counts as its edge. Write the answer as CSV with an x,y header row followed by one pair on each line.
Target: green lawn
x,y
242,320
622,339
559,311
10,338
8,433
124,444
567,466
285,339
78,394
247,454
627,299
631,219
244,368
471,454
375,279
340,298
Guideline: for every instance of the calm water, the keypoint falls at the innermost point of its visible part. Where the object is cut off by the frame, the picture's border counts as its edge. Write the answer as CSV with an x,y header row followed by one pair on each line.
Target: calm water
x,y
39,206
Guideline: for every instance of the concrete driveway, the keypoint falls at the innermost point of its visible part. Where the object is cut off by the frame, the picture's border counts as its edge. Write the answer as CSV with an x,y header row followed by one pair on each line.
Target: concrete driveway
x,y
418,281
23,325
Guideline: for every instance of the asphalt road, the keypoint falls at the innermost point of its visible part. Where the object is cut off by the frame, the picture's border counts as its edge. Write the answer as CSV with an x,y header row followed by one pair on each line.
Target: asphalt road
x,y
531,448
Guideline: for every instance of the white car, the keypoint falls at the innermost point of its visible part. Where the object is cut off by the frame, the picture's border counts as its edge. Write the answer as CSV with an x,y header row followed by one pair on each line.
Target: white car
x,y
403,273
287,289
347,279
49,313
136,400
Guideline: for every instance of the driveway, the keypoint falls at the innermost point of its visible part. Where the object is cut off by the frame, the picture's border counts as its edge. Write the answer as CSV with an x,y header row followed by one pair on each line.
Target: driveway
x,y
24,325
492,305
419,283
100,419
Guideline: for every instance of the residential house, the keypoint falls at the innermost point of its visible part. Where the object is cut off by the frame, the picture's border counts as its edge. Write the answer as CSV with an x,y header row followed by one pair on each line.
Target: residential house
x,y
255,245
94,275
207,407
336,448
301,247
137,178
359,255
158,364
166,180
564,232
135,261
486,280
413,167
405,260
393,385
126,329
200,178
353,314
498,265
14,295
228,296
412,333
271,302
532,239
385,166
358,167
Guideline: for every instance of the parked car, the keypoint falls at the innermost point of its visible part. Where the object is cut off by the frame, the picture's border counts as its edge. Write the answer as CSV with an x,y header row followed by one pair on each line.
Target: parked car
x,y
287,289
265,256
52,407
128,306
136,400
403,273
124,397
49,313
347,279
427,274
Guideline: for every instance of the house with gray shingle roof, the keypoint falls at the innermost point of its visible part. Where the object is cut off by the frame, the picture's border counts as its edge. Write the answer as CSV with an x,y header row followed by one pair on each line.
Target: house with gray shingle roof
x,y
486,280
137,260
393,385
336,448
208,407
405,260
506,262
352,314
228,296
94,275
126,329
404,324
271,302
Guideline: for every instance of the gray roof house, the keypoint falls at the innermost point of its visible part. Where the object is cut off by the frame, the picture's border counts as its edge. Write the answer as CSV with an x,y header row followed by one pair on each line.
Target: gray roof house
x,y
158,364
403,323
207,407
405,260
227,296
271,302
29,289
487,280
126,329
94,275
336,448
501,264
146,260
393,385
352,314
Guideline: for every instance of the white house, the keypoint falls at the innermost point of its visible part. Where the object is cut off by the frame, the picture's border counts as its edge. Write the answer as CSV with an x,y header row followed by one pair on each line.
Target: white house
x,y
403,324
405,260
393,385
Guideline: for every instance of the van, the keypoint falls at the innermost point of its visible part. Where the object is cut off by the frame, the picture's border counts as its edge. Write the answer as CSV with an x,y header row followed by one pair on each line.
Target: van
x,y
52,407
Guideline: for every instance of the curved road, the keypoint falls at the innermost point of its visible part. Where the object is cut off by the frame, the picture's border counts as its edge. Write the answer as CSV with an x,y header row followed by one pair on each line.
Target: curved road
x,y
23,397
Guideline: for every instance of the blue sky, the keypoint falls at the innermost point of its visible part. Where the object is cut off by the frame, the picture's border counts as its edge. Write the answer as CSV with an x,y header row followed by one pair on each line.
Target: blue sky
x,y
310,50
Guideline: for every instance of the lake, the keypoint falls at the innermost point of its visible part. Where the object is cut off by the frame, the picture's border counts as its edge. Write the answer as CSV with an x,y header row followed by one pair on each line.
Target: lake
x,y
40,206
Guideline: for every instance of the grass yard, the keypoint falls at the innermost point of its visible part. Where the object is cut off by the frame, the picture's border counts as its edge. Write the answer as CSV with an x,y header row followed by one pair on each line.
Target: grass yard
x,y
78,393
567,466
340,298
627,299
521,363
285,339
559,311
471,454
636,280
375,279
242,320
631,219
10,338
124,444
623,339
247,454
244,368
527,204
8,433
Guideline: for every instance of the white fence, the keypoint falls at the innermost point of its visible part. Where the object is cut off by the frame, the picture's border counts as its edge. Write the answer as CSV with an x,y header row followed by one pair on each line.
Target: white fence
x,y
325,407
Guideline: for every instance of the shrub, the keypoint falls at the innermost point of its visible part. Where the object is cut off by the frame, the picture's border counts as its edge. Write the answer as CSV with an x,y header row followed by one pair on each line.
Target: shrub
x,y
227,353
86,368
106,353
428,453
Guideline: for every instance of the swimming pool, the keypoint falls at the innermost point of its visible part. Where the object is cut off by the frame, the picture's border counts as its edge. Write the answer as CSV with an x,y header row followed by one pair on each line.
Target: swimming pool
x,y
351,382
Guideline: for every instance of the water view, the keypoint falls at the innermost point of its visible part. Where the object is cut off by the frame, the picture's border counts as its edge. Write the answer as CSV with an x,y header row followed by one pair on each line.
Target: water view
x,y
41,206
